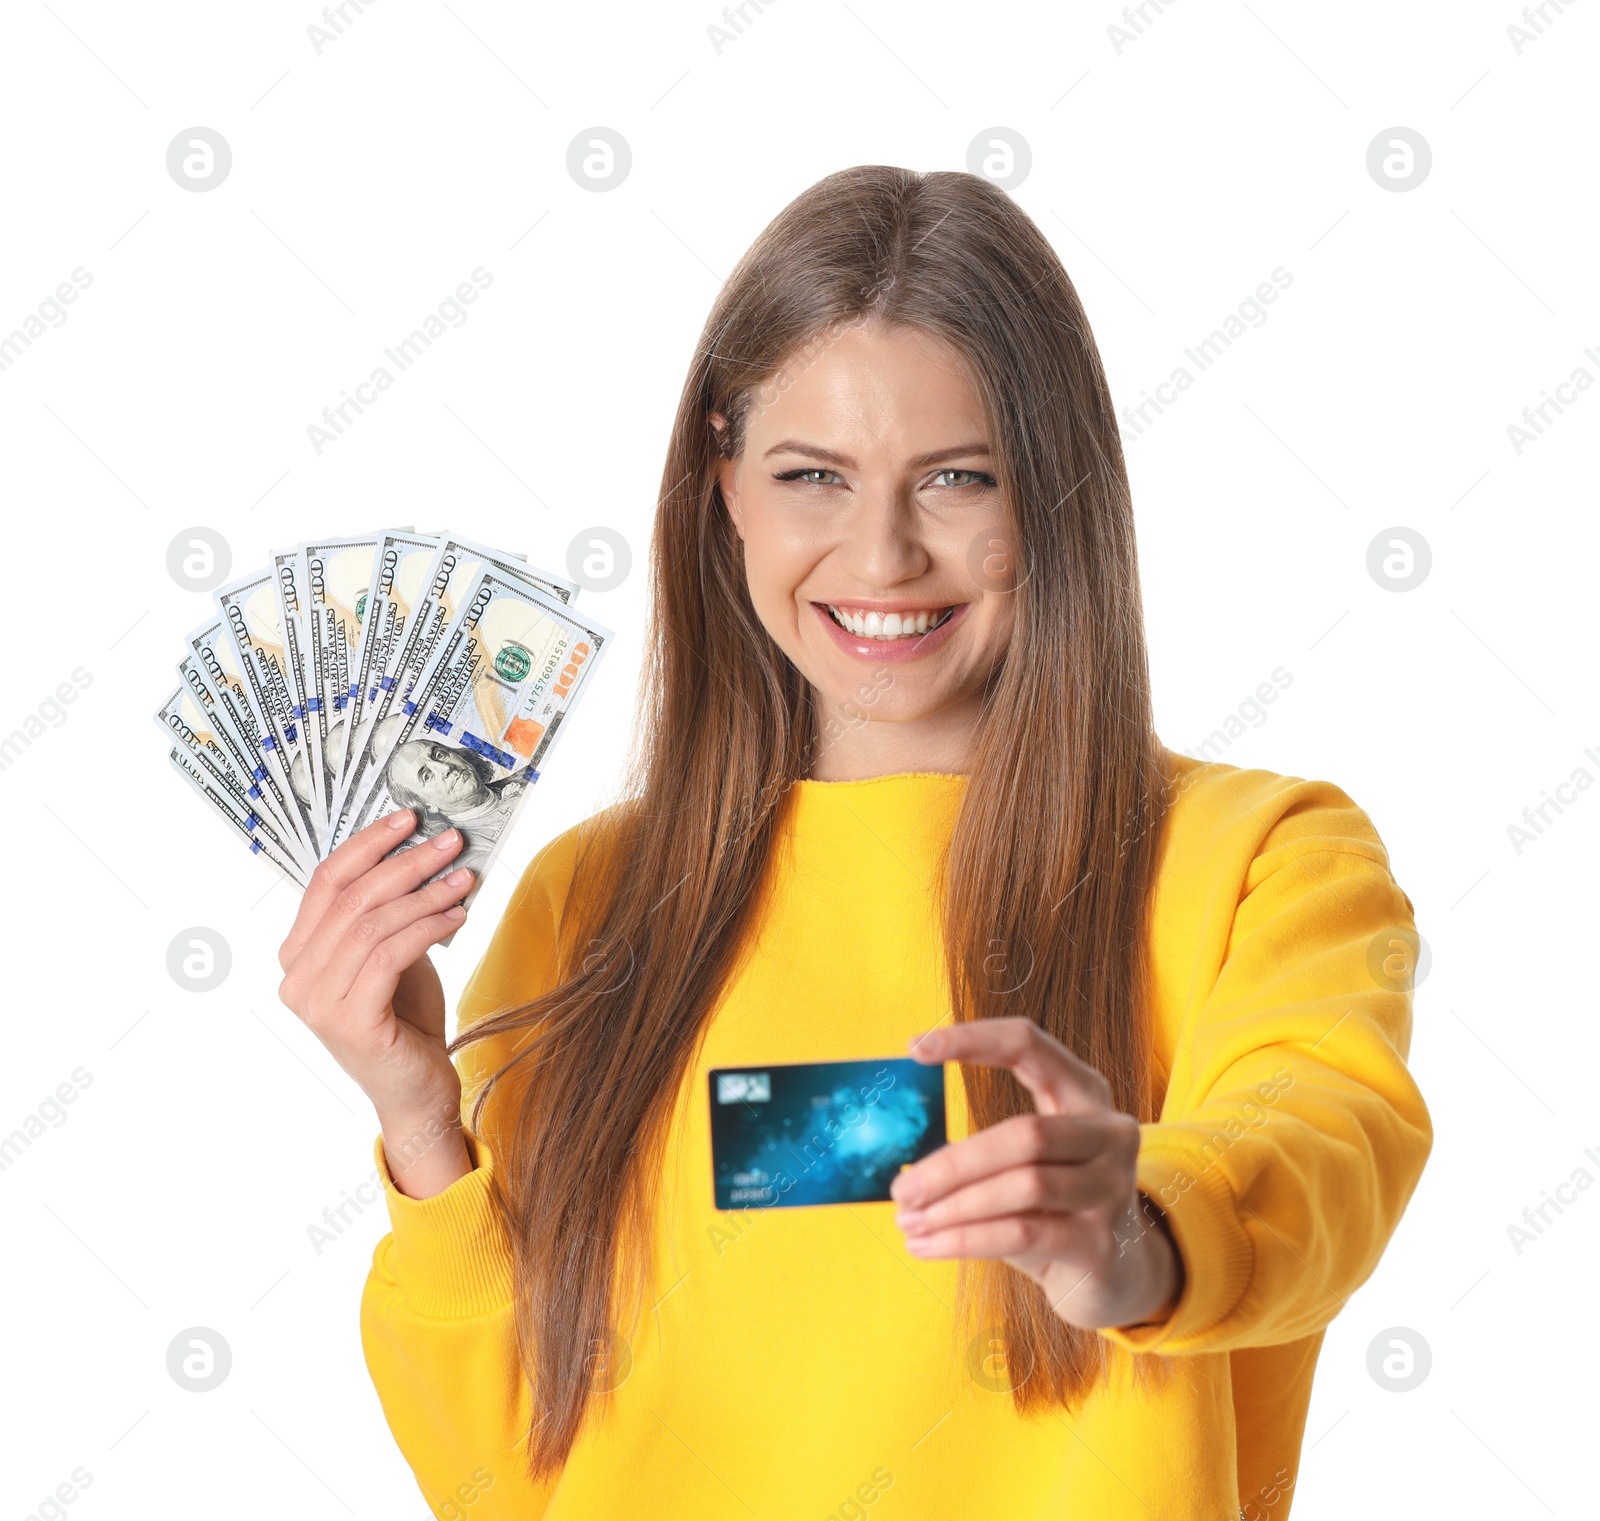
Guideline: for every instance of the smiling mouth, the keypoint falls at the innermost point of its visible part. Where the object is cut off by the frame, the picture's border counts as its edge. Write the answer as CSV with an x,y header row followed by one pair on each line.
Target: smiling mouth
x,y
871,624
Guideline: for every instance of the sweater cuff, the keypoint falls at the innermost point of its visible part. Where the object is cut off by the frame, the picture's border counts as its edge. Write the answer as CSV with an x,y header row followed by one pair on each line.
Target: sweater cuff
x,y
448,1254
1218,1257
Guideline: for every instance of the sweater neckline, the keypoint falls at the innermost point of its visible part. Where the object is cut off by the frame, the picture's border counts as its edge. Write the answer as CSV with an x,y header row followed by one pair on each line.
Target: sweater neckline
x,y
813,784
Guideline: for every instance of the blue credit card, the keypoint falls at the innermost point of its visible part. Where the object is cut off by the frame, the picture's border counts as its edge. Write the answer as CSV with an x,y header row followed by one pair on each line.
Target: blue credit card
x,y
796,1133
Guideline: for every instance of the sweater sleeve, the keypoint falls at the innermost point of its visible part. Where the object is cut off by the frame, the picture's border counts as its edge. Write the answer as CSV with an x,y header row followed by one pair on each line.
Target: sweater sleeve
x,y
436,1312
1291,1135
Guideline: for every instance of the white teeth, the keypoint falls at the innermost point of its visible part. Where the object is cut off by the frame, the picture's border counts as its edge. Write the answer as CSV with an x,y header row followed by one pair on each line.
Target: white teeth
x,y
875,625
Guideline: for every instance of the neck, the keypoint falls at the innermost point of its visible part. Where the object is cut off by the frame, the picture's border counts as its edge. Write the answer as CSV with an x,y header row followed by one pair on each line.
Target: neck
x,y
850,746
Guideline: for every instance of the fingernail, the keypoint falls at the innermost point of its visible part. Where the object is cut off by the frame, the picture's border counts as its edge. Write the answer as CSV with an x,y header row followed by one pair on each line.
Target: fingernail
x,y
446,840
459,877
400,820
458,913
930,1044
916,1245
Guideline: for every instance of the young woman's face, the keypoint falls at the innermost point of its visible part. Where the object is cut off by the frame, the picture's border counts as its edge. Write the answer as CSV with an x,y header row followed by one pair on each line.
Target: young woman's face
x,y
865,490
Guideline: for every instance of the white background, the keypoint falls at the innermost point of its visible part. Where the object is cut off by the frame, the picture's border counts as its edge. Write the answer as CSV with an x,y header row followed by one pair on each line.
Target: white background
x,y
1173,176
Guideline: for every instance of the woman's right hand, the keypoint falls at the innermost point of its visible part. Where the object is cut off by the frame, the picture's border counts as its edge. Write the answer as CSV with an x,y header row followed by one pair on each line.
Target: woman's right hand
x,y
356,971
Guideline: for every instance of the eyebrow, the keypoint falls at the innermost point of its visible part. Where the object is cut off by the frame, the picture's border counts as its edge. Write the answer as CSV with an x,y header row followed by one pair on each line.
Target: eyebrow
x,y
816,451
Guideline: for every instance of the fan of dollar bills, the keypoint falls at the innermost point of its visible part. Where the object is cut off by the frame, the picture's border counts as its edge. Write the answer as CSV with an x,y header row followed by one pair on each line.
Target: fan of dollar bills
x,y
358,676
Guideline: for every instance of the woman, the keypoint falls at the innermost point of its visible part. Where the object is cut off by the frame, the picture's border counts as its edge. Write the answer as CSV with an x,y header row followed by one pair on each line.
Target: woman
x,y
896,788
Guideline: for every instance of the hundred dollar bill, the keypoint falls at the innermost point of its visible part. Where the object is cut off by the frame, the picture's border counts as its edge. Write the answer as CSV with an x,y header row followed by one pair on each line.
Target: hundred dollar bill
x,y
401,571
452,572
338,573
218,726
289,573
224,671
487,709
186,719
254,620
225,809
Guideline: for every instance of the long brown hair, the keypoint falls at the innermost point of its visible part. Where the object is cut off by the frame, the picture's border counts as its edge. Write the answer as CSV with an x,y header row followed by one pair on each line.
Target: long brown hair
x,y
1049,869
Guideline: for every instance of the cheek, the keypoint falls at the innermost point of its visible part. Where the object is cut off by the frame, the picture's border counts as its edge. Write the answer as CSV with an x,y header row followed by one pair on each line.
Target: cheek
x,y
992,624
1002,617
779,553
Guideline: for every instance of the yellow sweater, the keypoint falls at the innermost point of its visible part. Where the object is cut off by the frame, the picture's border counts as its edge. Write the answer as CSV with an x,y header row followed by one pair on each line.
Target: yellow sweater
x,y
799,1363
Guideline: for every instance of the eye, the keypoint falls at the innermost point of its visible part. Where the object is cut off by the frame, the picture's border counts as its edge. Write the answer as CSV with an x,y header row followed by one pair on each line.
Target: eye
x,y
974,478
806,471
424,773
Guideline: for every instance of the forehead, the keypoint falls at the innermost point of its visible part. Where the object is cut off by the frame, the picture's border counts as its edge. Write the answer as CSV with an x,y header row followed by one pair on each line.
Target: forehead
x,y
869,388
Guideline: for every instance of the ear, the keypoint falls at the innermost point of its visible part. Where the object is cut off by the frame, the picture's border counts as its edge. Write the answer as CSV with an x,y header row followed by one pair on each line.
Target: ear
x,y
727,475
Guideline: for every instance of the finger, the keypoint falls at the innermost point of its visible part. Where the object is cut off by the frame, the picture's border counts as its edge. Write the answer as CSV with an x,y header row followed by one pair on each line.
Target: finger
x,y
382,923
380,884
1021,1140
1059,1082
1062,1238
360,853
379,976
1045,1188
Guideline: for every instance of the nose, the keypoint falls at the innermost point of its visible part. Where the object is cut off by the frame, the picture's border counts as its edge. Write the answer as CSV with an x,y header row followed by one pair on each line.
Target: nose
x,y
882,544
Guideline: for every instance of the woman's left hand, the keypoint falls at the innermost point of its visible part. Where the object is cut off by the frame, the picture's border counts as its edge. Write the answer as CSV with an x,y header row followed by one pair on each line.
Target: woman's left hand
x,y
1052,1193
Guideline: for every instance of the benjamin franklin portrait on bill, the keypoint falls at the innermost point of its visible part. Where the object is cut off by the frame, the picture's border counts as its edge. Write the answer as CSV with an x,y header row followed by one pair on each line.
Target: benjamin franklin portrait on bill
x,y
453,787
